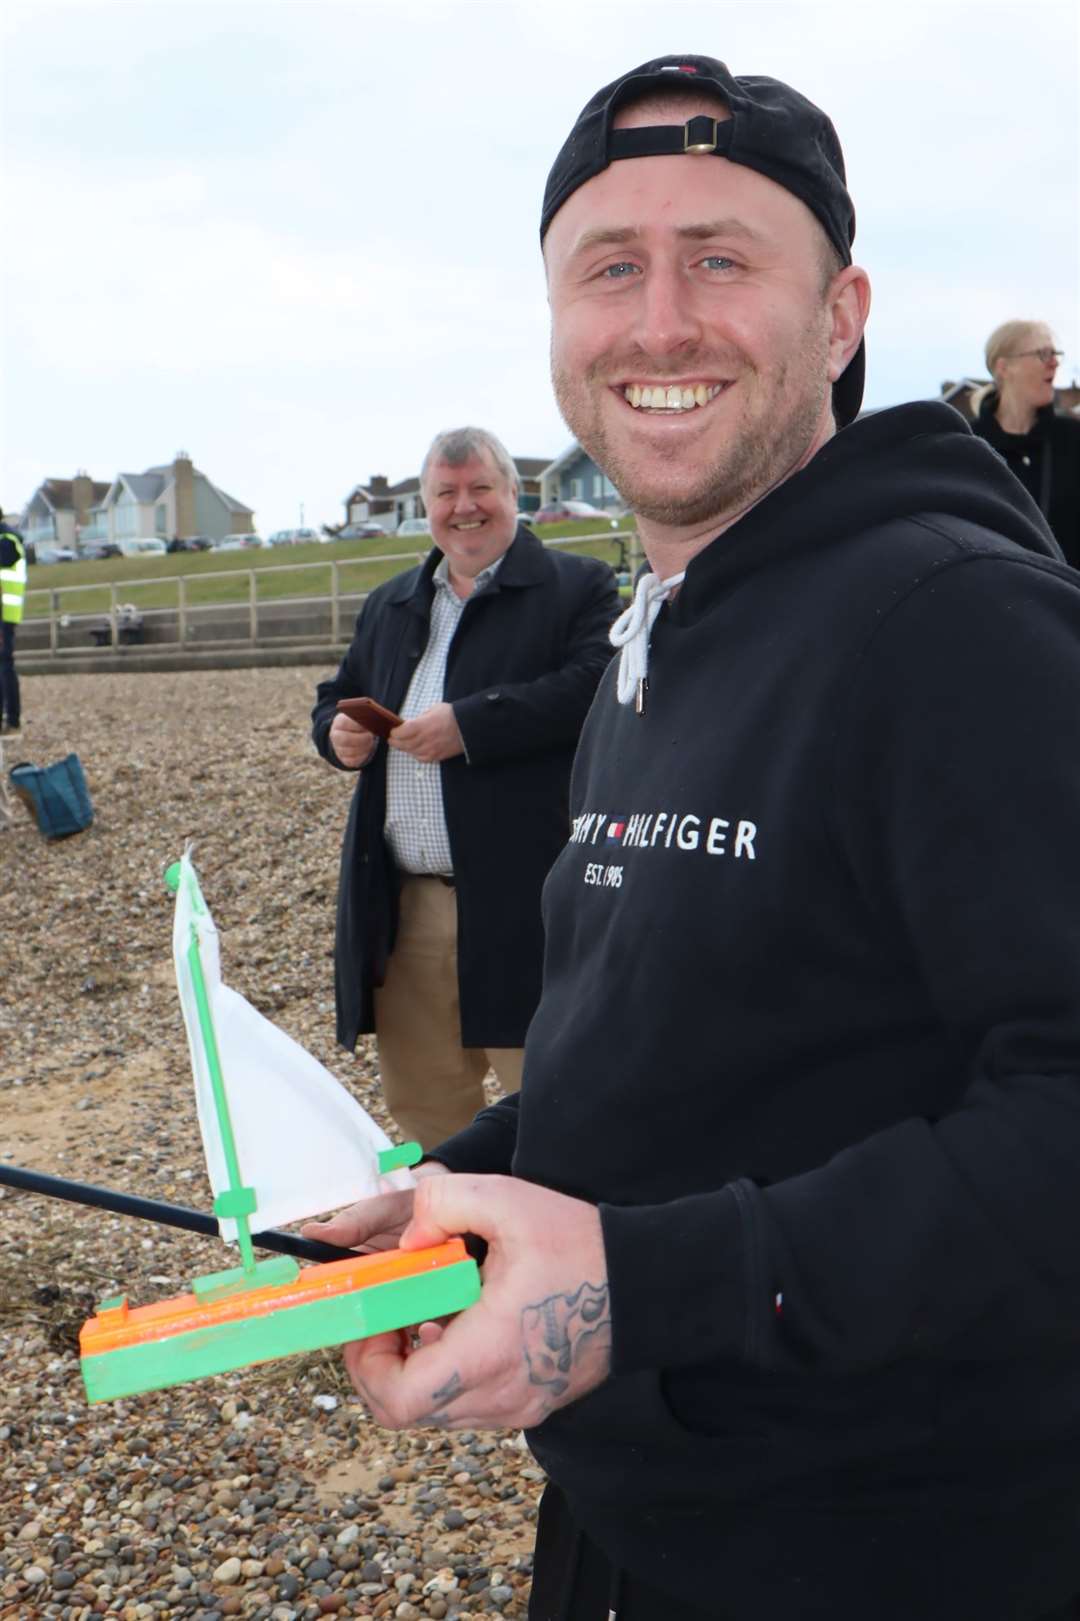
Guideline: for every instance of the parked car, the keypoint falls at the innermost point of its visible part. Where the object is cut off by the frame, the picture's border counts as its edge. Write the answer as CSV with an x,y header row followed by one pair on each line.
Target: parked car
x,y
142,546
294,537
52,554
369,529
566,511
190,543
242,543
101,548
413,526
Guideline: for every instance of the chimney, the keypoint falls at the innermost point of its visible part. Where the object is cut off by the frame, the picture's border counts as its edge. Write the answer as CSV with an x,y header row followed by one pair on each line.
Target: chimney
x,y
82,496
377,488
184,479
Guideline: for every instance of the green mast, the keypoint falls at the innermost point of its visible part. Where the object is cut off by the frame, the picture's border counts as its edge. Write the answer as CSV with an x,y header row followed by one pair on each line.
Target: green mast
x,y
237,1201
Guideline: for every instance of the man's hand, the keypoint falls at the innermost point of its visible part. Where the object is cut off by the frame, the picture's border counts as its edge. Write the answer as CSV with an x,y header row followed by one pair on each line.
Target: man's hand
x,y
352,743
538,1338
431,736
376,1223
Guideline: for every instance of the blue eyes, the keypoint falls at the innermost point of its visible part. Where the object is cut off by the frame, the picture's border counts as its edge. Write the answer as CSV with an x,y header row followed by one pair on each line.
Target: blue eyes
x,y
626,268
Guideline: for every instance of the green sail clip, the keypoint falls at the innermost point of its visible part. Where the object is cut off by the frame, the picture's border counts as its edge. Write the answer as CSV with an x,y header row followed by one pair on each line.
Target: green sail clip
x,y
235,1202
394,1159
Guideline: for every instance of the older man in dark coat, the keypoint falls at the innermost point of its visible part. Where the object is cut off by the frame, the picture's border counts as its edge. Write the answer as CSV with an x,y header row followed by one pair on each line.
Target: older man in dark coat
x,y
491,651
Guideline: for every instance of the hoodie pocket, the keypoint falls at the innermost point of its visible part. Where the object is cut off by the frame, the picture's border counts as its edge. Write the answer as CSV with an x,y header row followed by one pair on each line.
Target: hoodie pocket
x,y
806,1423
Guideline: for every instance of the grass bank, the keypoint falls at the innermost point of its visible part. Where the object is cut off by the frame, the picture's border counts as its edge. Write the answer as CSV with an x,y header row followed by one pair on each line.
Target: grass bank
x,y
280,573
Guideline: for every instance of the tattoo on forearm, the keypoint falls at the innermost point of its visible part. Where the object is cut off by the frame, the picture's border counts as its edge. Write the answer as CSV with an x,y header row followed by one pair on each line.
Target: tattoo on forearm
x,y
557,1330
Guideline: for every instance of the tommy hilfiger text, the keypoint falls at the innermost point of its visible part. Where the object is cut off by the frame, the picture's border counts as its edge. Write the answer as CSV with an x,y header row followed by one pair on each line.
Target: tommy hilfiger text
x,y
647,830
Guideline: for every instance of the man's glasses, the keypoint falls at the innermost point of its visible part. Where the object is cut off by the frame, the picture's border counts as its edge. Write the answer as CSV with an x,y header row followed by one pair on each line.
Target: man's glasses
x,y
1045,355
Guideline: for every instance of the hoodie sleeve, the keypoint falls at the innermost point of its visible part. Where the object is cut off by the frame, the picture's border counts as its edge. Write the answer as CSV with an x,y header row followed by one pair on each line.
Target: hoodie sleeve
x,y
957,809
486,1145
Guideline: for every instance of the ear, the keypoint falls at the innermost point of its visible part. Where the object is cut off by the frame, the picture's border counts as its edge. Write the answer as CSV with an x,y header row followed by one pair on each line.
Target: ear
x,y
848,301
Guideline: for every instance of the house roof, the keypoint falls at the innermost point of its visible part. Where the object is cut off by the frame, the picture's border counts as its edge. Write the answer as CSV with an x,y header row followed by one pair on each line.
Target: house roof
x,y
145,486
230,500
59,492
152,484
532,466
572,451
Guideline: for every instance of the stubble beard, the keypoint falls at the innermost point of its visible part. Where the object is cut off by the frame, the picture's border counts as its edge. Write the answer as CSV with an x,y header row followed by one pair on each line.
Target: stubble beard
x,y
747,466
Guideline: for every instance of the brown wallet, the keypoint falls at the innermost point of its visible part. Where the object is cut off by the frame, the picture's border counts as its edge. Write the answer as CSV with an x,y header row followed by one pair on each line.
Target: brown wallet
x,y
367,713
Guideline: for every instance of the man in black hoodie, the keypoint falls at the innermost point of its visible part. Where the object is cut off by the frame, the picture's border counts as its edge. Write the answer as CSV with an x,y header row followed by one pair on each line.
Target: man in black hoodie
x,y
783,1274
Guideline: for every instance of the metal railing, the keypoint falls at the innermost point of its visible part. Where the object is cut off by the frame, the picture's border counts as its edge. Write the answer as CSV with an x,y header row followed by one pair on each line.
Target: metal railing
x,y
249,613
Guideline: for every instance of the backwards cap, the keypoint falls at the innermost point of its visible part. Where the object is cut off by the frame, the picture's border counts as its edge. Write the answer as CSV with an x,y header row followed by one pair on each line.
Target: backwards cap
x,y
771,128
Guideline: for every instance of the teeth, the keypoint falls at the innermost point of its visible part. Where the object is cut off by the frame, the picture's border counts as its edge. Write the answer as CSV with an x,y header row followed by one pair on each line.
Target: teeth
x,y
672,398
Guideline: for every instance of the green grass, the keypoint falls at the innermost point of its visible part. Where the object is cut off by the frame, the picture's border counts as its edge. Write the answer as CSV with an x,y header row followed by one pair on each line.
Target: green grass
x,y
150,582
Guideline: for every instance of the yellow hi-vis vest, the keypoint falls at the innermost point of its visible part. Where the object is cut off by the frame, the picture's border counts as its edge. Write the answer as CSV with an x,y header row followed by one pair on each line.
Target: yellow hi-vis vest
x,y
13,583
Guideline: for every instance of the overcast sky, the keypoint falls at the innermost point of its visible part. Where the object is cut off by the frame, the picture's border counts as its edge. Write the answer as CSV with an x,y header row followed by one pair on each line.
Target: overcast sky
x,y
297,239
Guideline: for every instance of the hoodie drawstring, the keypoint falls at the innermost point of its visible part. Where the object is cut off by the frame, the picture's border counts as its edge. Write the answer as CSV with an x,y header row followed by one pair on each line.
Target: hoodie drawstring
x,y
630,632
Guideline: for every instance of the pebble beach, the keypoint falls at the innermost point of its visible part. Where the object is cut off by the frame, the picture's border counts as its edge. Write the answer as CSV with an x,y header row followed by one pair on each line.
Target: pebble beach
x,y
267,1493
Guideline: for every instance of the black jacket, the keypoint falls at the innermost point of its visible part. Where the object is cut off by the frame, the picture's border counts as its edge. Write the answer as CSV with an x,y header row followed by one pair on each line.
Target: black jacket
x,y
1047,462
9,551
810,1038
521,674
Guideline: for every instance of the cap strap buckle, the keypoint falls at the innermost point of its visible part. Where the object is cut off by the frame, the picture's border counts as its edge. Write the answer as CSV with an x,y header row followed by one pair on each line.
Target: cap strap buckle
x,y
700,134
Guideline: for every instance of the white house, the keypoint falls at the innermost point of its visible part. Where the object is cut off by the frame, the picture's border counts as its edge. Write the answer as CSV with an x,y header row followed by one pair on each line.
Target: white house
x,y
169,501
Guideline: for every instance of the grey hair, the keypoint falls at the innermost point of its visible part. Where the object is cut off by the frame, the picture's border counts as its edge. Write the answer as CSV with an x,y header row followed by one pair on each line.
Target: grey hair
x,y
457,445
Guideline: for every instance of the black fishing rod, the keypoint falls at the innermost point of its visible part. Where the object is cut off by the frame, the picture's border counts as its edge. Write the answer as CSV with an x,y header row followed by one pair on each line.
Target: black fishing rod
x,y
167,1215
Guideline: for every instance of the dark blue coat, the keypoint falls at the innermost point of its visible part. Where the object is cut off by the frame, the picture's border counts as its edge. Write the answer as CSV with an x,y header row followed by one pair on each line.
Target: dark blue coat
x,y
521,672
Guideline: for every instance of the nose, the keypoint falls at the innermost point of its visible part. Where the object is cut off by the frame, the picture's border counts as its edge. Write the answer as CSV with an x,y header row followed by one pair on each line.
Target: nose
x,y
667,316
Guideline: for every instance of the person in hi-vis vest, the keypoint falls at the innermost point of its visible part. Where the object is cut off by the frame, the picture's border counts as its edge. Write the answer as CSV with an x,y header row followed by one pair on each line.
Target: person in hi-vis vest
x,y
12,596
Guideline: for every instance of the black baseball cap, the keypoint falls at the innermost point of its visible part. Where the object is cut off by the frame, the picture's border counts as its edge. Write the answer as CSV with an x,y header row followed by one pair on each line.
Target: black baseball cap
x,y
771,128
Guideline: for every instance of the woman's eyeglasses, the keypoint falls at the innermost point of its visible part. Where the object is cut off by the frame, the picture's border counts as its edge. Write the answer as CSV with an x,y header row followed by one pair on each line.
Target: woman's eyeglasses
x,y
1045,355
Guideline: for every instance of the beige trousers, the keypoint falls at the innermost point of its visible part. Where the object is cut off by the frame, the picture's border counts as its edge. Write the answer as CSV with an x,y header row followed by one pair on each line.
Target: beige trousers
x,y
433,1086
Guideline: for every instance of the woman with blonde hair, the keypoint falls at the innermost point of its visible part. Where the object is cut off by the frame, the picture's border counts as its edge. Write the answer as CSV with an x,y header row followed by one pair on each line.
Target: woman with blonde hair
x,y
1015,414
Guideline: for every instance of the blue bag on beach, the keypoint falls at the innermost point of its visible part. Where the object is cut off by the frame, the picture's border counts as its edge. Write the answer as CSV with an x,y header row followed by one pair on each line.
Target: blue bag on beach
x,y
56,796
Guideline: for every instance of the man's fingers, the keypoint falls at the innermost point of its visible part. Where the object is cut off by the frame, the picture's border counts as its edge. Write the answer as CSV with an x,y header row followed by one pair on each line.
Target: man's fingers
x,y
351,742
447,1206
373,1218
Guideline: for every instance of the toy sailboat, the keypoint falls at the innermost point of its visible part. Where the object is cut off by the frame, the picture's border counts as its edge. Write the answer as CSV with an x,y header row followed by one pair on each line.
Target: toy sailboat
x,y
283,1140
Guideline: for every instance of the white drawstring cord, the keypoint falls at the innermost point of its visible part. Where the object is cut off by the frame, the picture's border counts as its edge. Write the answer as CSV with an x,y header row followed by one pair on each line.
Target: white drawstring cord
x,y
631,632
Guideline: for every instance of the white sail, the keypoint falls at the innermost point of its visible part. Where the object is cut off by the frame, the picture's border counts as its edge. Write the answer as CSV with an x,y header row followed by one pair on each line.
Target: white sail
x,y
302,1141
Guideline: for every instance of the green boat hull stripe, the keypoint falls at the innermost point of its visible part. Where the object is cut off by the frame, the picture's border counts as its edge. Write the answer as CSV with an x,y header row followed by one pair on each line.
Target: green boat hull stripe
x,y
220,1285
376,1309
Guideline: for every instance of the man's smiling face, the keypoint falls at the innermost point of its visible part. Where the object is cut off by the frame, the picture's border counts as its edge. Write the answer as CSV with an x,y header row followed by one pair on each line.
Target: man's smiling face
x,y
472,509
691,341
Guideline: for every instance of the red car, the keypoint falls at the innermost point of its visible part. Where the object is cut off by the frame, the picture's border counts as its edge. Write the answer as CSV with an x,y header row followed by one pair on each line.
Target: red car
x,y
566,512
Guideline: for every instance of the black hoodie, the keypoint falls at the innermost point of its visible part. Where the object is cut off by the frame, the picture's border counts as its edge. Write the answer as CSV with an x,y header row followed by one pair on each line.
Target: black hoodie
x,y
810,1038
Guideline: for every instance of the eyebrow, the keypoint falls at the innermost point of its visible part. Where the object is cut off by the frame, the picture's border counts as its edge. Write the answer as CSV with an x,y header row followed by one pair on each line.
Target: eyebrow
x,y
705,230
